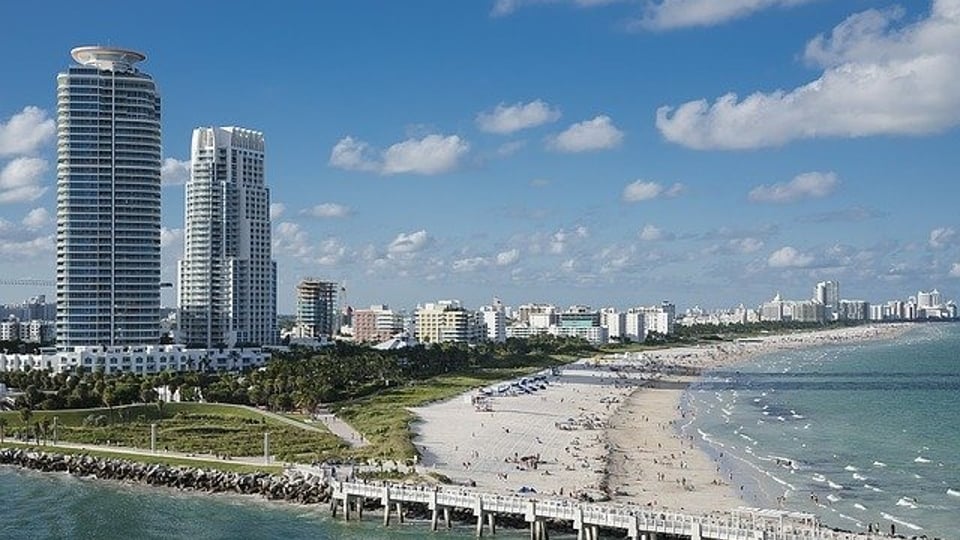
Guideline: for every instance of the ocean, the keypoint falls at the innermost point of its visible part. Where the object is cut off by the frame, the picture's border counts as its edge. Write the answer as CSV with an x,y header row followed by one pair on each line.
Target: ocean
x,y
856,433
861,433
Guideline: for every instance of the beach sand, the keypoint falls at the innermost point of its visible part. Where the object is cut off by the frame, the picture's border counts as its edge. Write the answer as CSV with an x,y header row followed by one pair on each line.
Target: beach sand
x,y
603,427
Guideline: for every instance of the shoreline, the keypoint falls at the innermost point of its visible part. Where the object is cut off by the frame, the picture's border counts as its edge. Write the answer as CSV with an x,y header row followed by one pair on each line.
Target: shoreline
x,y
605,427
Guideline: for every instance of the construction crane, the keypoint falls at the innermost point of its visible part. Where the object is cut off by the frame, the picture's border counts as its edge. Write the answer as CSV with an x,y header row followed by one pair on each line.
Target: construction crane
x,y
29,282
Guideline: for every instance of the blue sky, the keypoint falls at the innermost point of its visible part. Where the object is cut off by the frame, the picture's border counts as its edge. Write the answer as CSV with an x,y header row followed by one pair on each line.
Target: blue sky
x,y
610,152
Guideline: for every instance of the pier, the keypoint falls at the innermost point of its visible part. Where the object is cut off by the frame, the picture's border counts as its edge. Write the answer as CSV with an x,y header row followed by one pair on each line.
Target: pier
x,y
587,519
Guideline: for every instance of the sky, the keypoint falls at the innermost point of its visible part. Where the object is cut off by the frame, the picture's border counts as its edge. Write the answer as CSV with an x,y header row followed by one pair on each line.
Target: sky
x,y
604,152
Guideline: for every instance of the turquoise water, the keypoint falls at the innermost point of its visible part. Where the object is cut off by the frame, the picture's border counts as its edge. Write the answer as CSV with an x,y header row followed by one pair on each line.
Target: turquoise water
x,y
858,434
52,506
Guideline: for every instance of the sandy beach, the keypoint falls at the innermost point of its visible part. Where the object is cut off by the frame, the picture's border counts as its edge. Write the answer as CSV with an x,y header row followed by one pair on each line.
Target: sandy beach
x,y
605,426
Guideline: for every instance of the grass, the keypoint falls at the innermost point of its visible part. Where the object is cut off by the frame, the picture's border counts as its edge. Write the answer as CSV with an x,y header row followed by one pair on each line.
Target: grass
x,y
159,459
189,428
386,422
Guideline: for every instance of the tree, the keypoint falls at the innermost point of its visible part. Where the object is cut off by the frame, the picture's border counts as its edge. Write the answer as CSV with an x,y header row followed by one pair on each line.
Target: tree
x,y
3,429
25,415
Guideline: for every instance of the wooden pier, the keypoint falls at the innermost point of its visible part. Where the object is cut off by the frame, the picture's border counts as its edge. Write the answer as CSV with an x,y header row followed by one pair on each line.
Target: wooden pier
x,y
638,522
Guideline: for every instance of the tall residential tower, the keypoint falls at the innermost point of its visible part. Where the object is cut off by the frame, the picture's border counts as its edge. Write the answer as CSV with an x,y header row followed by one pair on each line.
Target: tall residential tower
x,y
108,201
227,279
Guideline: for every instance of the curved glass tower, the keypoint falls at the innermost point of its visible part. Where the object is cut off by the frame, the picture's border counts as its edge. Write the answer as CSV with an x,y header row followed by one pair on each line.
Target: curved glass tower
x,y
108,201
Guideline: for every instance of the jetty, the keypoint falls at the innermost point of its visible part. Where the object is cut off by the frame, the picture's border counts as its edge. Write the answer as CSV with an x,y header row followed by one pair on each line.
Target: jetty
x,y
586,518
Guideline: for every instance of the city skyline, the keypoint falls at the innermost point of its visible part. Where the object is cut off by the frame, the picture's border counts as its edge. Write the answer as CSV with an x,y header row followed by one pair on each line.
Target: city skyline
x,y
537,168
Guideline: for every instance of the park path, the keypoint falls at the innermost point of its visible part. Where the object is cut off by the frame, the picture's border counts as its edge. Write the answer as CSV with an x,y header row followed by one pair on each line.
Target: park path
x,y
128,450
334,425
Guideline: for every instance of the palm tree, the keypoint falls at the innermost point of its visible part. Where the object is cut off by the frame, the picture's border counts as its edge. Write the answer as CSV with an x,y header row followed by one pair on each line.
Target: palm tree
x,y
25,414
3,429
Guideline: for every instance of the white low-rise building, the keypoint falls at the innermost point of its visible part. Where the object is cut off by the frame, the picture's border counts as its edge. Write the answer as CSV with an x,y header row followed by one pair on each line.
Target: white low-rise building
x,y
137,359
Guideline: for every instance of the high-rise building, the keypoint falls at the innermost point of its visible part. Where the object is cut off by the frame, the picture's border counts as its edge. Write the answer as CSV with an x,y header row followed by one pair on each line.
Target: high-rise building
x,y
828,294
496,322
317,309
227,278
108,201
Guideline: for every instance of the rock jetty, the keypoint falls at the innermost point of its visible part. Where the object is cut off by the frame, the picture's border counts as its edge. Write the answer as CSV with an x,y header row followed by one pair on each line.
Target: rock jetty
x,y
292,486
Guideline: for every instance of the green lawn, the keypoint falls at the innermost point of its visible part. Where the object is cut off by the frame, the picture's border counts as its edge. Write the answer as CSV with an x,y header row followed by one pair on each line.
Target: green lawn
x,y
163,460
190,428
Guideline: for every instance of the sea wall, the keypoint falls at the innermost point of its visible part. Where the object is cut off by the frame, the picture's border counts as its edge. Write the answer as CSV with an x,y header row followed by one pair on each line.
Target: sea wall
x,y
292,487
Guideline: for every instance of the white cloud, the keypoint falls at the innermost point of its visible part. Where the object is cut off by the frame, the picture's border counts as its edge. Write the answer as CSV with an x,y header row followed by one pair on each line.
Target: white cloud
x,y
328,210
36,218
20,180
507,119
746,245
670,14
406,243
470,264
641,190
26,131
290,239
170,237
276,210
955,270
942,236
506,258
788,257
560,240
27,249
174,172
811,185
431,154
506,7
876,80
353,155
651,233
587,136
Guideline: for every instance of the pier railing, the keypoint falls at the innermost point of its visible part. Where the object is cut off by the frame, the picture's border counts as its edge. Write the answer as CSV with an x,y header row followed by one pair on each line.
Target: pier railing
x,y
637,521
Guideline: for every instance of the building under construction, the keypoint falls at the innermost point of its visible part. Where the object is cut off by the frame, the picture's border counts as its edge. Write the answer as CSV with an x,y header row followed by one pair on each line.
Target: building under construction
x,y
317,310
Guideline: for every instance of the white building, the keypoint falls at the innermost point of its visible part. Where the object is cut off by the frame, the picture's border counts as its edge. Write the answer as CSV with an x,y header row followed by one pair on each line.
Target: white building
x,y
827,293
376,324
448,321
142,359
108,201
496,322
614,321
635,324
227,278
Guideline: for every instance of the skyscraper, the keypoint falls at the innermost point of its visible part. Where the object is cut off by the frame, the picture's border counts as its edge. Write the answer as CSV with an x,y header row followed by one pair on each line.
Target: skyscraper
x,y
227,279
828,294
108,201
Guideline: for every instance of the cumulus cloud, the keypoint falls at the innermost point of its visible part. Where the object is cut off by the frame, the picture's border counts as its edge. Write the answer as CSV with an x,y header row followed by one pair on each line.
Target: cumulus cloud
x,y
506,258
406,243
328,210
20,250
431,154
469,264
174,172
788,257
746,245
276,210
505,119
670,14
20,180
506,7
36,218
811,185
170,237
942,236
877,79
26,131
641,190
589,135
955,270
651,233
